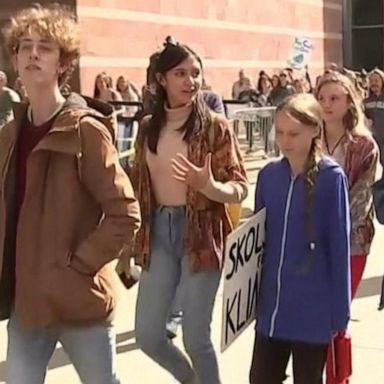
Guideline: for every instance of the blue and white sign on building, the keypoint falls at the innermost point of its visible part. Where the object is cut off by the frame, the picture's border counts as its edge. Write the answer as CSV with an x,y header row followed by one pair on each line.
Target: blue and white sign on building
x,y
301,52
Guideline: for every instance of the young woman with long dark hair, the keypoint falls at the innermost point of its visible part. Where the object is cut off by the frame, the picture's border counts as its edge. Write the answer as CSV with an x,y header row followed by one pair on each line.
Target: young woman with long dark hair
x,y
187,169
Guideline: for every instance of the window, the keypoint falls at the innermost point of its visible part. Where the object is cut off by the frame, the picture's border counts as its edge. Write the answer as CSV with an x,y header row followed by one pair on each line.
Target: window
x,y
366,52
367,12
366,31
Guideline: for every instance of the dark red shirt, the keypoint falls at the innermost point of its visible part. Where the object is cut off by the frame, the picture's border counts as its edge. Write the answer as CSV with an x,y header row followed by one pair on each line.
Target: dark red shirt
x,y
30,136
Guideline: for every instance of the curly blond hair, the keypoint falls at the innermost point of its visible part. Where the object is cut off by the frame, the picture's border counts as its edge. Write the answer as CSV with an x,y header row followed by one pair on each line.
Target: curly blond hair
x,y
54,22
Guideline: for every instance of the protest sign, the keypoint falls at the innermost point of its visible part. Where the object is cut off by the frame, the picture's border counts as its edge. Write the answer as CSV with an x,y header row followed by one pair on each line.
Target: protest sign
x,y
244,248
301,52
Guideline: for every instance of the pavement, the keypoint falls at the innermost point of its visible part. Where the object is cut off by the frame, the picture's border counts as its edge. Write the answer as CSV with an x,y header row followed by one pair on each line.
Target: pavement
x,y
366,327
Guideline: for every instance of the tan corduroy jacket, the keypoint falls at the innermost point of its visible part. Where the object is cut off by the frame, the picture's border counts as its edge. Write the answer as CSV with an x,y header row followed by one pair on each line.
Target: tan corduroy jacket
x,y
78,213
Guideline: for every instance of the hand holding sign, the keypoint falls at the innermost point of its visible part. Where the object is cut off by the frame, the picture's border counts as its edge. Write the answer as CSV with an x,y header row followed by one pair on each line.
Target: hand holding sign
x,y
196,177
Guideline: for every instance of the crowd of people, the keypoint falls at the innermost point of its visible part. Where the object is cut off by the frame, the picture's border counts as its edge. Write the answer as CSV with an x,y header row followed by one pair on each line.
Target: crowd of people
x,y
169,210
271,90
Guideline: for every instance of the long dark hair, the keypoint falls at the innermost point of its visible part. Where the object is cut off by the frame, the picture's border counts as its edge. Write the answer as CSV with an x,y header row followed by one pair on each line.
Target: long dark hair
x,y
172,55
263,75
96,90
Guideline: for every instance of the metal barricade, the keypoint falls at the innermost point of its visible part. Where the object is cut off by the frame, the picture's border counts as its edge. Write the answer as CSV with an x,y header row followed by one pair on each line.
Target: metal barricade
x,y
230,108
127,129
126,137
259,126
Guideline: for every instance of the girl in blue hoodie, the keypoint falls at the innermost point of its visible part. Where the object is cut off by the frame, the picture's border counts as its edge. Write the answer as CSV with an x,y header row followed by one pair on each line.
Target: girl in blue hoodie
x,y
305,286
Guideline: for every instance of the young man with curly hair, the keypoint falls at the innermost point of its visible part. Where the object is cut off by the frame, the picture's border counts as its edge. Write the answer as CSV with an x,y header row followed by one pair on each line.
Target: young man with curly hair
x,y
67,210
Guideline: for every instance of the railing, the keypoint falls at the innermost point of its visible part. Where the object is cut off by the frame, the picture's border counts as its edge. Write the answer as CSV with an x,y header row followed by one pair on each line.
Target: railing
x,y
259,125
137,104
127,128
231,106
258,122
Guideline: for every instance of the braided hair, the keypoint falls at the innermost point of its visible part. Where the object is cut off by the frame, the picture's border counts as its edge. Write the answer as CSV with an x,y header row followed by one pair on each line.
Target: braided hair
x,y
305,109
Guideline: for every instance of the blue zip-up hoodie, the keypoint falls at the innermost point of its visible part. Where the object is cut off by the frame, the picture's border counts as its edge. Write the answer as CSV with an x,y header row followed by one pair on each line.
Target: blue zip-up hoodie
x,y
304,297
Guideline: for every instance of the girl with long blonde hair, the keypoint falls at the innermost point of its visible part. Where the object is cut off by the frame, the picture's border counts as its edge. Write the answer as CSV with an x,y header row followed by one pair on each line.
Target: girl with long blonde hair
x,y
348,140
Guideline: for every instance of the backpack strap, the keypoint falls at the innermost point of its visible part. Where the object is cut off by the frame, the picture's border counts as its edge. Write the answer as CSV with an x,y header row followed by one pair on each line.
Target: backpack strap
x,y
79,155
211,133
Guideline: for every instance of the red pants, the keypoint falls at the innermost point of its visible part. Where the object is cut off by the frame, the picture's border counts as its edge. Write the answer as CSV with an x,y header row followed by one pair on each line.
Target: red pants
x,y
357,268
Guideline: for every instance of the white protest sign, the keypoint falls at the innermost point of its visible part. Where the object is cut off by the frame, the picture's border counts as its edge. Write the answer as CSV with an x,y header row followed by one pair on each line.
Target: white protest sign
x,y
243,252
301,52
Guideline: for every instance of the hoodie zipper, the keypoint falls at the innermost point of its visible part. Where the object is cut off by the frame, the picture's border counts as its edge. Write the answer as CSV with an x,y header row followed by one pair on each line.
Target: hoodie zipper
x,y
282,252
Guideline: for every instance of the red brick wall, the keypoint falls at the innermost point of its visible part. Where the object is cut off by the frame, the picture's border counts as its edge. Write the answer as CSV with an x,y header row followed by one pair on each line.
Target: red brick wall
x,y
228,34
119,35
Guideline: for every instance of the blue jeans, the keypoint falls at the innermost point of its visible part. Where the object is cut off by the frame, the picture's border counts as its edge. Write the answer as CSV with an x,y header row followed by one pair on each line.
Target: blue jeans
x,y
169,267
91,350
